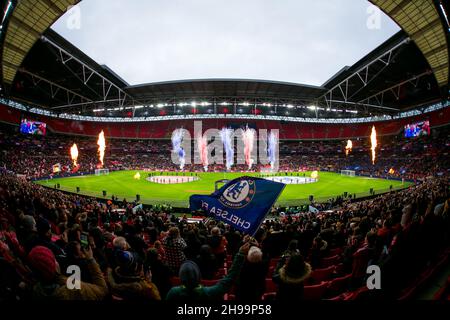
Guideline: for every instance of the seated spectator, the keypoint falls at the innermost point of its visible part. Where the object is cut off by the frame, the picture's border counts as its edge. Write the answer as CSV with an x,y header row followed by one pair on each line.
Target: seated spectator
x,y
192,290
128,281
290,275
52,285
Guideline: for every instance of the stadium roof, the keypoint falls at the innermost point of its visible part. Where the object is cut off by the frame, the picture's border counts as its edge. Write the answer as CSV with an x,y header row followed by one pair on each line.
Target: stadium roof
x,y
224,88
421,20
50,72
28,21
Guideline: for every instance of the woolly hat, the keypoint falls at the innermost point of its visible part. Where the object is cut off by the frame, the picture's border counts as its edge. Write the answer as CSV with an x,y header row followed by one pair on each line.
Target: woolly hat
x,y
125,260
190,274
43,261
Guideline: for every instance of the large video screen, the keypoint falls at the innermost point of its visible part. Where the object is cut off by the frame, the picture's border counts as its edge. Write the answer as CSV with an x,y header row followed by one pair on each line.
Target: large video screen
x,y
417,129
33,127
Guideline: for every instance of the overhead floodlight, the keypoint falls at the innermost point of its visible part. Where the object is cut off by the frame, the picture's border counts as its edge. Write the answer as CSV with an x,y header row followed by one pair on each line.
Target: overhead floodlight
x,y
138,107
290,106
245,104
193,104
445,15
159,105
7,11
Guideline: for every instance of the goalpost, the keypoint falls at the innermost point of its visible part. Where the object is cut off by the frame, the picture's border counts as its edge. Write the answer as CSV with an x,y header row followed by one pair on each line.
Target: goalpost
x,y
101,172
349,173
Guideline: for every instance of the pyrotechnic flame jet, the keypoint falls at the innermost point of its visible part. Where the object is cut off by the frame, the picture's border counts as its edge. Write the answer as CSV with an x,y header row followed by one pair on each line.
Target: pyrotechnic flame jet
x,y
373,140
349,147
74,154
101,146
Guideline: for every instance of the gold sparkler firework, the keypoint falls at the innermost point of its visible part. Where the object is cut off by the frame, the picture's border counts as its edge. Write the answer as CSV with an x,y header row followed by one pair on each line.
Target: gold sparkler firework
x,y
74,154
349,147
101,146
373,140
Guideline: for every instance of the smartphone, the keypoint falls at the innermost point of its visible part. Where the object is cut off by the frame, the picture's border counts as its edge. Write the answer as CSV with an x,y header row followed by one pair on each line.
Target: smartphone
x,y
84,239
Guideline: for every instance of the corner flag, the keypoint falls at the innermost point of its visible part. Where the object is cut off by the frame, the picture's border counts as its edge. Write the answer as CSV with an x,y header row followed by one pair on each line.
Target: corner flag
x,y
242,203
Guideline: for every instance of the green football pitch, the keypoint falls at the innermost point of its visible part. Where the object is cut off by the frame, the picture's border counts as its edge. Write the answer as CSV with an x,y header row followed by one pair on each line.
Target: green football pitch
x,y
123,185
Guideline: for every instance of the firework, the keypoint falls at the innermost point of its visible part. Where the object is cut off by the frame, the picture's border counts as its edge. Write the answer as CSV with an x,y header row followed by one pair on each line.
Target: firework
x,y
101,146
177,139
374,143
74,154
248,138
349,147
226,134
272,145
203,150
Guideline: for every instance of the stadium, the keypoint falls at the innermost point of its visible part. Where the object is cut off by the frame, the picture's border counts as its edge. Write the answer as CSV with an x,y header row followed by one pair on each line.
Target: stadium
x,y
140,186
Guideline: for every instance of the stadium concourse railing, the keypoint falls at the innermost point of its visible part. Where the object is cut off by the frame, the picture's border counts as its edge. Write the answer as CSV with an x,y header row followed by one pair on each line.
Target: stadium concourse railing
x,y
183,204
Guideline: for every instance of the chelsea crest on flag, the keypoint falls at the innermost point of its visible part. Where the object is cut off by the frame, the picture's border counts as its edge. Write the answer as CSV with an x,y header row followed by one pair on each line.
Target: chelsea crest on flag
x,y
242,203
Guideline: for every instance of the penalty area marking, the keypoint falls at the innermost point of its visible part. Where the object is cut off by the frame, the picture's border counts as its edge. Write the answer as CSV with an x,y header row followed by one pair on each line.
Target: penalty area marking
x,y
171,179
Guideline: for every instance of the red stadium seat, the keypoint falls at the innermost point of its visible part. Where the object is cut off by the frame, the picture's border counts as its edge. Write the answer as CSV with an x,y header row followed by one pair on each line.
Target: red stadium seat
x,y
315,292
209,283
176,281
326,262
270,285
319,275
339,269
338,285
270,296
335,252
274,262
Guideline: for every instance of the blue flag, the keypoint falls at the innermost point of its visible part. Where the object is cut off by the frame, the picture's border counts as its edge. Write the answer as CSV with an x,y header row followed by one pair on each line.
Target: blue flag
x,y
242,203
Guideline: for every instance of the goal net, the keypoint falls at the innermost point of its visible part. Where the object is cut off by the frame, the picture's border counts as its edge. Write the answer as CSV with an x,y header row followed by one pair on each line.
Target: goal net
x,y
101,172
350,173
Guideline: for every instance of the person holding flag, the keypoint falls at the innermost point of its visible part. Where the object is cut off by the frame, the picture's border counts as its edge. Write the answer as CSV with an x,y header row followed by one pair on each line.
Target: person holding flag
x,y
243,203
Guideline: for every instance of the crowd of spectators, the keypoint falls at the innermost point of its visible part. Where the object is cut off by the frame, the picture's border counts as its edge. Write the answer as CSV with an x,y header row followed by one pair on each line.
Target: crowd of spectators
x,y
410,159
152,254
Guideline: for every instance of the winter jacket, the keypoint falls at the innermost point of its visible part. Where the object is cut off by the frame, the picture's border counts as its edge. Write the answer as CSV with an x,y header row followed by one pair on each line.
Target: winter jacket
x,y
132,287
212,293
58,290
